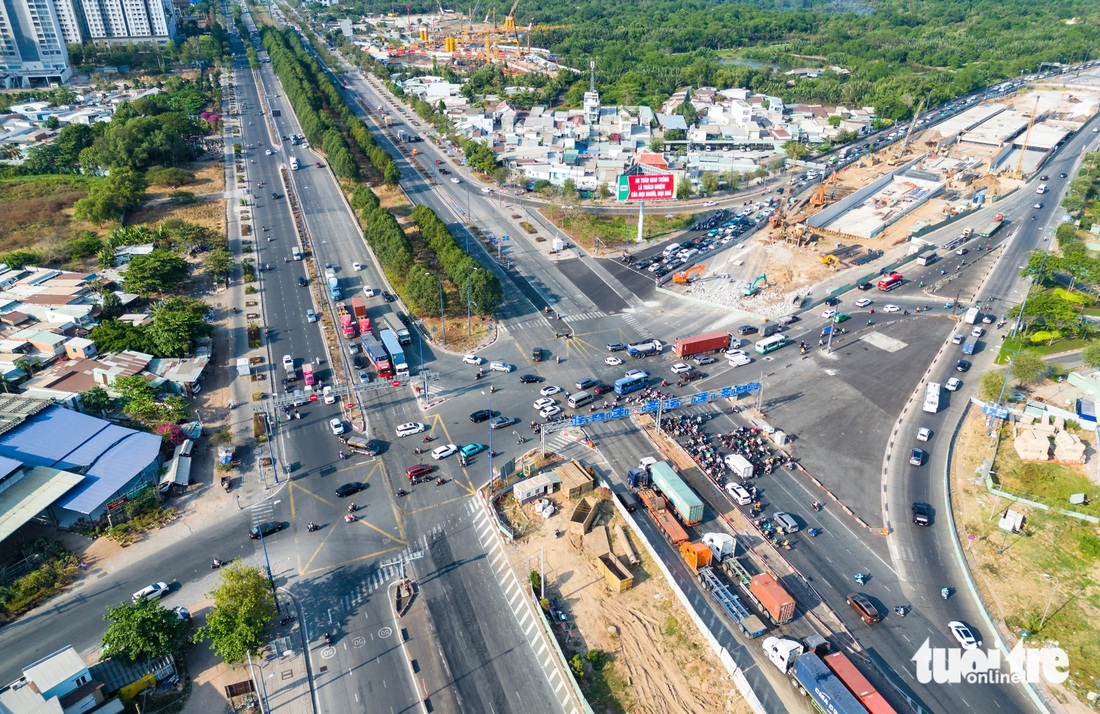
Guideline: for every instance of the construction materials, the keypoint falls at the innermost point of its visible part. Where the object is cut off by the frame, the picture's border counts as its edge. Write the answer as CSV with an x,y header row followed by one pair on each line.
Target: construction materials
x,y
626,546
772,598
581,518
701,344
658,509
688,506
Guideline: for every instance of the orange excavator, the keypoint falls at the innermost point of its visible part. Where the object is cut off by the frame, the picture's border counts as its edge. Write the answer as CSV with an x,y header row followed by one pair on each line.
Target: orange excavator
x,y
685,275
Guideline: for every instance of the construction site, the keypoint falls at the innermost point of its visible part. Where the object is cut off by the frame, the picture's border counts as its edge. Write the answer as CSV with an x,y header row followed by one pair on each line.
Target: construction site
x,y
869,212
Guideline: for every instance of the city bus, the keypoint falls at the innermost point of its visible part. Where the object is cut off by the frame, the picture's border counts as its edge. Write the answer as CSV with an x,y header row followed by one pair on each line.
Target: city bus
x,y
626,385
891,281
770,344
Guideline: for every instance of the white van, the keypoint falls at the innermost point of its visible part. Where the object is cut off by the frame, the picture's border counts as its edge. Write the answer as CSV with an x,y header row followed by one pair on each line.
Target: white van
x,y
329,395
579,399
739,494
296,253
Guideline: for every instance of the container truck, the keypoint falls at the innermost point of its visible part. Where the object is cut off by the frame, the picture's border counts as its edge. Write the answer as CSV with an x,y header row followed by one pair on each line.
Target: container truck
x,y
817,680
376,353
696,555
932,397
701,344
722,545
857,684
739,465
772,598
397,355
687,505
644,349
347,324
993,226
658,509
307,374
972,316
404,337
359,310
333,285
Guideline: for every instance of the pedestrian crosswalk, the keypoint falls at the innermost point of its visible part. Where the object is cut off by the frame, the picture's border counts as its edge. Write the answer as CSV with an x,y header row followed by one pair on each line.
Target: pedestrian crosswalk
x,y
585,316
379,578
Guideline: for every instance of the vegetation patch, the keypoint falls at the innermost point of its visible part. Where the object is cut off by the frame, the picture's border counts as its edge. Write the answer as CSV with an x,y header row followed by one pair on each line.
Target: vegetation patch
x,y
1046,482
51,567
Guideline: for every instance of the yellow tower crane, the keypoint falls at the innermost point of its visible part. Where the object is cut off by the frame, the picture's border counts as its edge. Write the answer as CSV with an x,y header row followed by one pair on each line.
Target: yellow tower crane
x,y
510,19
1018,173
908,134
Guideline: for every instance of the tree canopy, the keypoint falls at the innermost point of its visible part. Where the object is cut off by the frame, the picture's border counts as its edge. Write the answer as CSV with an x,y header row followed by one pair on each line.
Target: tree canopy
x,y
160,271
143,631
244,607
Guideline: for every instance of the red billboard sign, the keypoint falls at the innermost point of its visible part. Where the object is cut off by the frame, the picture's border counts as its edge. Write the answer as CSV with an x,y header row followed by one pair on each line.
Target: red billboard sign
x,y
647,187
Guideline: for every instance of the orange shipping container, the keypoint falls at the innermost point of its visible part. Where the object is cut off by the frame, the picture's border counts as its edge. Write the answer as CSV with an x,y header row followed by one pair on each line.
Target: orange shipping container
x,y
772,597
697,555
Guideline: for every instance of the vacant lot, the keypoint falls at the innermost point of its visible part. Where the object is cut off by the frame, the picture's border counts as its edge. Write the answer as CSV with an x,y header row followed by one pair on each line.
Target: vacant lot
x,y
37,211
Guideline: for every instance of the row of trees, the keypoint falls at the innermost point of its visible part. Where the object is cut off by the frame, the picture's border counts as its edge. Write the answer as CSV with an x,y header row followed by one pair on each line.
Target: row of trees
x,y
384,236
481,287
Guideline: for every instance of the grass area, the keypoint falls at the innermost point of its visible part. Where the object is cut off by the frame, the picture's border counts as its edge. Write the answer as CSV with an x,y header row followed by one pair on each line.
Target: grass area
x,y
38,211
613,230
56,567
1014,344
1054,562
1048,483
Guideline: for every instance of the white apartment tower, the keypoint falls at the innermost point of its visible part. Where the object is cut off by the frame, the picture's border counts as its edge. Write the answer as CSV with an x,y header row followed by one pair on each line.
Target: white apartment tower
x,y
32,45
128,20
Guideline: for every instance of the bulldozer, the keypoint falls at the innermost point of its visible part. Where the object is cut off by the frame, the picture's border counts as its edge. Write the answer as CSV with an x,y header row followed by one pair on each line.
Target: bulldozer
x,y
685,276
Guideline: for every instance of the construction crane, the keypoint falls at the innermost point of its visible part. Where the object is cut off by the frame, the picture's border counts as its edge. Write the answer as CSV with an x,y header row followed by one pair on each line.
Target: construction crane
x,y
908,134
510,18
1018,173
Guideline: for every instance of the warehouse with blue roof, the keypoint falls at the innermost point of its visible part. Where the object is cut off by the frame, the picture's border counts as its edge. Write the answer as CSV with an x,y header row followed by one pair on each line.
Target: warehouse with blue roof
x,y
67,466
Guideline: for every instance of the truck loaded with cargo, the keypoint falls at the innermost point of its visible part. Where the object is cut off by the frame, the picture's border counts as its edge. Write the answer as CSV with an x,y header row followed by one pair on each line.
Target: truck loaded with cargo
x,y
644,349
739,465
662,516
359,311
809,671
347,324
688,506
772,598
701,344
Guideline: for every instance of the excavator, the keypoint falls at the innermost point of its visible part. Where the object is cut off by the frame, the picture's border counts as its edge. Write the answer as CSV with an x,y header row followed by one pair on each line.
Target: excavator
x,y
752,289
818,199
685,275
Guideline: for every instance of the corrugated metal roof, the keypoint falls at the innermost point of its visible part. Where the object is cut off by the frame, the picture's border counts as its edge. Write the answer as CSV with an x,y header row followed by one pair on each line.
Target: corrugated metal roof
x,y
54,669
107,454
31,494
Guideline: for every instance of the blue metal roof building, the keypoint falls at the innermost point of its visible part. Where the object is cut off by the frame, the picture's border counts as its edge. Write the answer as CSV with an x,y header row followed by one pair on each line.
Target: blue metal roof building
x,y
113,459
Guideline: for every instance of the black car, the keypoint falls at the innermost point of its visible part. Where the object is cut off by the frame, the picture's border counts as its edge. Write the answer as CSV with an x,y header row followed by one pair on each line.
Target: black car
x,y
481,415
357,361
274,195
615,347
444,171
302,282
746,330
388,297
832,301
962,365
691,375
264,529
601,388
349,489
922,514
530,379
864,286
403,318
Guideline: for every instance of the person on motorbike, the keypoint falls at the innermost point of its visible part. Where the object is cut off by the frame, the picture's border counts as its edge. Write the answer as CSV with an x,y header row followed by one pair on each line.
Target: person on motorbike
x,y
945,592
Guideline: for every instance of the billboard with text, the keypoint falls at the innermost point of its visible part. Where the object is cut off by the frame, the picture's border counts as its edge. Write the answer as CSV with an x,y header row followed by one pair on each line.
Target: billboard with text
x,y
652,187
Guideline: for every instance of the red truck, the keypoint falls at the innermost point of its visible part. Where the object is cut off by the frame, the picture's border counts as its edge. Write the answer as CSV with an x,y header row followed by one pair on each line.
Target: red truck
x,y
359,309
346,323
701,344
772,597
658,508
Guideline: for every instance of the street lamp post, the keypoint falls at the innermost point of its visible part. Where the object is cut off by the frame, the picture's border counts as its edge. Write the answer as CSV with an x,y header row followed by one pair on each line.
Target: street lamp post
x,y
442,322
469,329
263,685
490,402
1051,600
267,562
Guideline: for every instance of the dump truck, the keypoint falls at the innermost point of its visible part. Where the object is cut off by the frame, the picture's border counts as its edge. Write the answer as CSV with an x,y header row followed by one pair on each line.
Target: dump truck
x,y
347,324
333,285
662,516
688,506
810,672
739,465
772,598
359,310
685,347
696,555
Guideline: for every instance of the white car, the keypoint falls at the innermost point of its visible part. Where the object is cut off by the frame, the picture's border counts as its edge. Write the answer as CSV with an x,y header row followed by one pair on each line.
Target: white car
x,y
267,152
155,591
364,376
455,179
549,390
953,384
635,374
963,633
328,395
410,428
977,332
337,426
957,339
356,266
924,434
730,354
863,302
368,291
442,452
680,367
829,314
612,361
891,308
288,362
541,404
739,360
550,411
708,204
472,359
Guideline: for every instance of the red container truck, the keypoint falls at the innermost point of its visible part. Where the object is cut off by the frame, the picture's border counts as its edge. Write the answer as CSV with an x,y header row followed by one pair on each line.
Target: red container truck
x,y
359,310
346,323
701,344
857,684
662,516
772,597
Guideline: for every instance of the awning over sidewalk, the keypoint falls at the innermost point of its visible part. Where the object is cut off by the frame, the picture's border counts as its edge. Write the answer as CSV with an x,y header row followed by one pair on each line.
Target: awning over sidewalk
x,y
31,492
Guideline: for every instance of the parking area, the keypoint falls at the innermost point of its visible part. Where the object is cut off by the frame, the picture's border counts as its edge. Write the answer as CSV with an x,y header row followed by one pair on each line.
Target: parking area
x,y
845,404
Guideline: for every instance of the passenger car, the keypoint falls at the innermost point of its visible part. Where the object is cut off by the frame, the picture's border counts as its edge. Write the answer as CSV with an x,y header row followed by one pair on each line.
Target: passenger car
x,y
549,390
635,373
953,384
962,365
472,359
349,489
530,379
924,434
551,411
501,421
829,314
916,457
863,607
704,359
154,590
418,470
601,388
264,529
922,514
965,636
472,449
543,403
585,383
442,452
615,347
481,415
612,361
336,425
891,308
863,302
410,428
302,282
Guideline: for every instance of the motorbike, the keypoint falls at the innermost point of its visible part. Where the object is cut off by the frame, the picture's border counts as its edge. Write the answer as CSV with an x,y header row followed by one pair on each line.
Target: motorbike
x,y
418,451
402,492
427,439
479,375
945,593
492,388
352,508
217,564
493,454
900,610
311,527
813,532
860,578
286,619
349,518
439,481
341,455
816,506
327,638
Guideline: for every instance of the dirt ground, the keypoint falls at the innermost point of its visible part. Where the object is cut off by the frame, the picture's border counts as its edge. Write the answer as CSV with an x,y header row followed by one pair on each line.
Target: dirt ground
x,y
207,210
1028,576
659,662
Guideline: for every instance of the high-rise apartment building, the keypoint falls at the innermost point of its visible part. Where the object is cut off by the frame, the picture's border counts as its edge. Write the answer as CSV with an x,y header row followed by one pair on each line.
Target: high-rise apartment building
x,y
32,44
127,20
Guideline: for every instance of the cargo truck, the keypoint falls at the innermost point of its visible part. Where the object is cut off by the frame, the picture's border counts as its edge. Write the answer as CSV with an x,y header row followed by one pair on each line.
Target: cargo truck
x,y
685,347
972,316
927,257
662,516
696,555
688,506
772,598
932,397
644,349
993,226
404,337
722,545
857,684
359,310
307,374
333,285
970,345
739,465
817,680
347,324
